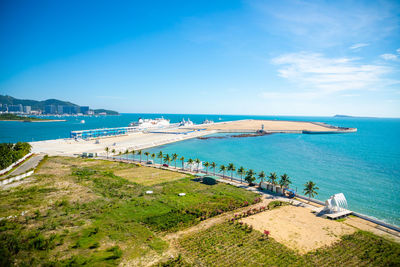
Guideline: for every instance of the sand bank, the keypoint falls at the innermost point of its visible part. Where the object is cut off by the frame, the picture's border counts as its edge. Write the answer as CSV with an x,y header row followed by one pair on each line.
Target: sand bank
x,y
272,126
142,140
35,120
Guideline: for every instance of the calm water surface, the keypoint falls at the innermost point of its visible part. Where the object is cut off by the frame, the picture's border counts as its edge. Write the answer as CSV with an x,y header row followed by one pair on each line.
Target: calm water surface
x,y
365,165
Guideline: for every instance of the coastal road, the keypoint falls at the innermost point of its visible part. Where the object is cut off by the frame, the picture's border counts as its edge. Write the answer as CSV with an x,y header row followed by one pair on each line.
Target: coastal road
x,y
32,162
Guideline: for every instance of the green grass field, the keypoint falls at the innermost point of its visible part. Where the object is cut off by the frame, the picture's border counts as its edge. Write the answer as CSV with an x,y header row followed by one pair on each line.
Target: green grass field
x,y
77,211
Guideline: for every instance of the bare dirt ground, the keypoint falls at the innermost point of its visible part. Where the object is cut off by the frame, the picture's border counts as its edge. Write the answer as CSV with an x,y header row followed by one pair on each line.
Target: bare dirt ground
x,y
149,176
298,228
372,227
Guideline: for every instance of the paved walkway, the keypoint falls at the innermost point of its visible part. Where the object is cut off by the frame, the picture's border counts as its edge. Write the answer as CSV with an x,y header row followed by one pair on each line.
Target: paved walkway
x,y
31,163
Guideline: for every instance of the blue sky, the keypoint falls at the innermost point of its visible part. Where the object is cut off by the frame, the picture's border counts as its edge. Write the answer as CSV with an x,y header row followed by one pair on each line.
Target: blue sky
x,y
219,57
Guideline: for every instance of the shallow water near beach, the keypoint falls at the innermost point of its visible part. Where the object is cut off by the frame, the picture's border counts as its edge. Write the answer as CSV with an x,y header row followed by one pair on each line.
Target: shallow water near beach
x,y
365,165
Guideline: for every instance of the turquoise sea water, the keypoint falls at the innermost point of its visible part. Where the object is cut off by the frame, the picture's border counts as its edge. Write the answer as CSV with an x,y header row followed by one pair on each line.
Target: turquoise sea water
x,y
365,165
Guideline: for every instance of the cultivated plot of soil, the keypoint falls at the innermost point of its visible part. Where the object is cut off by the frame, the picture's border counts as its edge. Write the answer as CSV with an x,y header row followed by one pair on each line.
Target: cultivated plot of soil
x,y
298,228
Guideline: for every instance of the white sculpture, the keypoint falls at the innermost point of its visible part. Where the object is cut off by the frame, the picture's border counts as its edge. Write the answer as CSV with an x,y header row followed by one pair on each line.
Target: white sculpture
x,y
335,203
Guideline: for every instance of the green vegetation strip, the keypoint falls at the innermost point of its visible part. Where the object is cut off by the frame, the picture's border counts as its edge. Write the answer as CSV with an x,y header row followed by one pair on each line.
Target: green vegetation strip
x,y
13,117
238,245
79,212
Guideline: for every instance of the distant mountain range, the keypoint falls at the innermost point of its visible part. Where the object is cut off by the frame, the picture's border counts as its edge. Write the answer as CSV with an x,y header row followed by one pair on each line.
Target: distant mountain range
x,y
40,105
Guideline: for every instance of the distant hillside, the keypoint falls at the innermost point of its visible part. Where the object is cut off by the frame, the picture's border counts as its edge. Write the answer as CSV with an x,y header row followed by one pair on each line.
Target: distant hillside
x,y
109,112
39,105
348,116
342,116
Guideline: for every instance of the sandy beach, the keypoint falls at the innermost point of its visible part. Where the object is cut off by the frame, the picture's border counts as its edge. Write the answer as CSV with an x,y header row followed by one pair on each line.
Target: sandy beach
x,y
136,141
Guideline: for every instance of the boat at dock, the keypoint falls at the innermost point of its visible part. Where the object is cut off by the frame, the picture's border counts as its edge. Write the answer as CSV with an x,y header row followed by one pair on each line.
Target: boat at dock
x,y
150,123
186,123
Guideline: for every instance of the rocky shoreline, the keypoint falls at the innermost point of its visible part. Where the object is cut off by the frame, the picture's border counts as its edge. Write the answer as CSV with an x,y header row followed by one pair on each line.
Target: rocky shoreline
x,y
234,136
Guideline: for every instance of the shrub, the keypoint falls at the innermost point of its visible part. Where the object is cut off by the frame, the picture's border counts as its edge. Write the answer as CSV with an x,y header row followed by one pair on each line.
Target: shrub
x,y
209,181
94,245
178,261
276,203
116,253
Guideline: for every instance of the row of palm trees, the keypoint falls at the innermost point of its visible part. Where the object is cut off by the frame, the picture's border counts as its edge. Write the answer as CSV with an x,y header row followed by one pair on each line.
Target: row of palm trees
x,y
310,187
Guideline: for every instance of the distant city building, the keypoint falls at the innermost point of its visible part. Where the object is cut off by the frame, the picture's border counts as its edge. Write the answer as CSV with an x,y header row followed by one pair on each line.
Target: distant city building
x,y
84,110
50,109
91,112
27,109
70,110
60,109
67,110
15,108
4,108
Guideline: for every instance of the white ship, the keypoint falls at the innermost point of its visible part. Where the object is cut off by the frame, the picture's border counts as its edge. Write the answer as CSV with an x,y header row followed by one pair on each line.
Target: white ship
x,y
207,122
186,123
151,123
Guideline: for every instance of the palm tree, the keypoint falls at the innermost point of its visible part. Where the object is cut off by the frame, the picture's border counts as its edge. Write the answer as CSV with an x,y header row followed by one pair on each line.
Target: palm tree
x,y
206,164
153,156
310,189
183,162
113,152
119,154
213,166
140,154
261,175
198,164
231,168
284,182
167,158
174,158
160,155
241,171
190,162
272,178
222,169
107,149
250,176
126,153
147,155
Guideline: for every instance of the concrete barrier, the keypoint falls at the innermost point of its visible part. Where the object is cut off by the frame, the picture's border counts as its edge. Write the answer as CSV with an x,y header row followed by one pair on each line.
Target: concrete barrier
x,y
15,163
16,178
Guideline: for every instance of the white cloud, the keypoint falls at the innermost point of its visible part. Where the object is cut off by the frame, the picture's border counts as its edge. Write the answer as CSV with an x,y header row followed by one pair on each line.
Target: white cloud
x,y
389,57
358,46
327,75
398,50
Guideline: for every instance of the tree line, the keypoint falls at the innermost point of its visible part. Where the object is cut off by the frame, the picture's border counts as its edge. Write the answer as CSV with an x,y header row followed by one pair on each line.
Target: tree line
x,y
310,188
10,153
